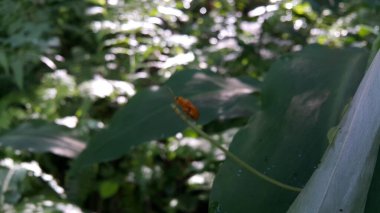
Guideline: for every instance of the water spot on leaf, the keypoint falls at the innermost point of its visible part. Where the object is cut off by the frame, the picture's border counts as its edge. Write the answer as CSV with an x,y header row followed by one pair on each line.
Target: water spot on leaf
x,y
239,173
215,207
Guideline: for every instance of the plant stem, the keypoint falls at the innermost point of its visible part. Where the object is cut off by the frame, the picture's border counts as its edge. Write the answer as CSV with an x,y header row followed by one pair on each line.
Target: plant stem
x,y
232,156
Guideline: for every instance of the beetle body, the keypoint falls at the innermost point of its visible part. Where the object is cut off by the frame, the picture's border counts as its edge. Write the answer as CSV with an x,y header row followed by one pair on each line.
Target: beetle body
x,y
187,107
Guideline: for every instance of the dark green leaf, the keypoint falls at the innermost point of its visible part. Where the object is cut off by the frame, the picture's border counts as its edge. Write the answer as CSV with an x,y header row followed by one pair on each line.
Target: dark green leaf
x,y
40,137
303,96
4,62
215,96
373,199
6,85
18,73
149,116
80,185
375,48
341,182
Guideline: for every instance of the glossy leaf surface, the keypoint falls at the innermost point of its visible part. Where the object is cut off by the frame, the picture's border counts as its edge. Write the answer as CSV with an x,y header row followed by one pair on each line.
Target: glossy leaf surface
x,y
149,116
341,182
303,96
42,137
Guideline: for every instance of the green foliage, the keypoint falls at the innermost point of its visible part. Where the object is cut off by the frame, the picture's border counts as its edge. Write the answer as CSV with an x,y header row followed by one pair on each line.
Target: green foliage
x,y
150,110
108,188
292,126
339,185
79,63
24,187
372,204
23,37
41,137
375,48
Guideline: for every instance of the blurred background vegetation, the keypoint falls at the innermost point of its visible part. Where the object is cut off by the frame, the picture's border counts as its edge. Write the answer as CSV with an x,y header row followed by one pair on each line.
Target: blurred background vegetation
x,y
67,65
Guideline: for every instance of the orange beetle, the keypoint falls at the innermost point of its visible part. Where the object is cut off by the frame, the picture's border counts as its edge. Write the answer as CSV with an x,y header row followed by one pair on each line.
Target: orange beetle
x,y
187,107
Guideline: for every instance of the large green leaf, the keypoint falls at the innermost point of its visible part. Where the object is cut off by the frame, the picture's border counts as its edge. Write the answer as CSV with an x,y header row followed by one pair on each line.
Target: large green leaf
x,y
303,96
149,116
41,137
341,182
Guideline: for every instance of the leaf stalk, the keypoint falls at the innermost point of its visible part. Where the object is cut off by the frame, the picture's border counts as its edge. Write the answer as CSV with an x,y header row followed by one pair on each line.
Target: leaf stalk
x,y
232,156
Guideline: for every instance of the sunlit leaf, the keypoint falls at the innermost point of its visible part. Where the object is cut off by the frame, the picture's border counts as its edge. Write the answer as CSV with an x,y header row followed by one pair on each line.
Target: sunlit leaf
x,y
364,30
108,188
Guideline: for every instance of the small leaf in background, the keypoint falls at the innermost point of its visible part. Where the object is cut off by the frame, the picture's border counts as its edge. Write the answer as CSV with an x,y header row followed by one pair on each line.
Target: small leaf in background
x,y
149,116
364,30
40,137
342,180
10,181
4,62
18,73
108,188
303,97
